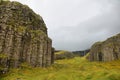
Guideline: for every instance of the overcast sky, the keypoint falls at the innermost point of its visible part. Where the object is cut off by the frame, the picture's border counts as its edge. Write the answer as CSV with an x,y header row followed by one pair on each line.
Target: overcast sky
x,y
77,24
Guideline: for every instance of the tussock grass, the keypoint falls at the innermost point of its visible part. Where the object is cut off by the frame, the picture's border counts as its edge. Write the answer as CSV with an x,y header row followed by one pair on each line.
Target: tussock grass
x,y
69,69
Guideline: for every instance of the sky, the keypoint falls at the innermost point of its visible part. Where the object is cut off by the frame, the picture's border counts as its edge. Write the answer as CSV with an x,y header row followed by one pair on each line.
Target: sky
x,y
78,24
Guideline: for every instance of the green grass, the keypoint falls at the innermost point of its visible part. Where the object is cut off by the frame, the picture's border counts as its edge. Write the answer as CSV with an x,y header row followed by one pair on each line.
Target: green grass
x,y
61,52
69,69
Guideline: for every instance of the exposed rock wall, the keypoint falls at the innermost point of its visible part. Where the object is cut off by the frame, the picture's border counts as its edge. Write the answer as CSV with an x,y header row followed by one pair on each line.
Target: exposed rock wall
x,y
106,51
23,37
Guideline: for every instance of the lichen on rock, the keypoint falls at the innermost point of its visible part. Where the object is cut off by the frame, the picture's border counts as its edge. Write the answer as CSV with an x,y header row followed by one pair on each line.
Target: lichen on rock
x,y
107,50
23,37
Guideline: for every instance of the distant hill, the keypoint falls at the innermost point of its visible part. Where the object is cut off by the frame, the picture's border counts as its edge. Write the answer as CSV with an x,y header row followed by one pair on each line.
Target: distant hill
x,y
61,54
81,53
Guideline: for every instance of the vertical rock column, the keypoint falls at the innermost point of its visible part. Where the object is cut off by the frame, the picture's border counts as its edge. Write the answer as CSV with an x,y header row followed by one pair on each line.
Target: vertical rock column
x,y
23,37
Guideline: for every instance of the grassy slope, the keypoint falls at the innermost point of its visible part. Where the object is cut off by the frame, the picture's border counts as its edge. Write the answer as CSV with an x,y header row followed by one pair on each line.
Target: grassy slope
x,y
69,69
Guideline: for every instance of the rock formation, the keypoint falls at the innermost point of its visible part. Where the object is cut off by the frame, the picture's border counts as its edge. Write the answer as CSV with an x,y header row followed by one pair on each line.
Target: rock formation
x,y
23,37
107,50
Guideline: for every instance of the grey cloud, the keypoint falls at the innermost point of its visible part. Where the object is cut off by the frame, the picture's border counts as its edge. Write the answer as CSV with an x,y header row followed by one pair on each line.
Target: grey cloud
x,y
77,24
83,35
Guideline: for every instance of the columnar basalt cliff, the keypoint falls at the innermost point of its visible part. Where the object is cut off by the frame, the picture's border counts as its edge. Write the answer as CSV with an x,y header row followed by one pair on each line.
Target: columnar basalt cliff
x,y
106,51
23,37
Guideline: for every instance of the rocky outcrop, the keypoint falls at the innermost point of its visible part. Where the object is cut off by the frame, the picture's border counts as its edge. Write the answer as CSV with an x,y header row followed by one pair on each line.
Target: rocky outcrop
x,y
106,51
23,37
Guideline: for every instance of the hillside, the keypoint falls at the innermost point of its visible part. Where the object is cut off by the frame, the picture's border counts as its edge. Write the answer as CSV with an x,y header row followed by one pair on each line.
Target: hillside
x,y
69,69
81,53
62,54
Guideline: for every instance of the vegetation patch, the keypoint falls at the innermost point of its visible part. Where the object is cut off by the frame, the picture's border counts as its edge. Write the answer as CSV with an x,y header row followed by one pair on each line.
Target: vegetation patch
x,y
63,55
77,68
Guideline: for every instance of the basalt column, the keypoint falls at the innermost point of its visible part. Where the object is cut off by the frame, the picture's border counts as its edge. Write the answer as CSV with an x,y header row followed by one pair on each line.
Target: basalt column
x,y
23,37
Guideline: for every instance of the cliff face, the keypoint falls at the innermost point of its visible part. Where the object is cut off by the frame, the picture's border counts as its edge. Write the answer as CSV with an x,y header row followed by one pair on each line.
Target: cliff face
x,y
106,51
23,37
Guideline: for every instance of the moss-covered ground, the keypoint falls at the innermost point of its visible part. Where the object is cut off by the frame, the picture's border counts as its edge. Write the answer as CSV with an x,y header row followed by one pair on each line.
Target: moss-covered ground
x,y
68,69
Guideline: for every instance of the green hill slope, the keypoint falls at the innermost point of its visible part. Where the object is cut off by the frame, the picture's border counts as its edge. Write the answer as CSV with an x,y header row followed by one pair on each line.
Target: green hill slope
x,y
69,69
63,55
